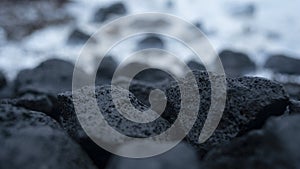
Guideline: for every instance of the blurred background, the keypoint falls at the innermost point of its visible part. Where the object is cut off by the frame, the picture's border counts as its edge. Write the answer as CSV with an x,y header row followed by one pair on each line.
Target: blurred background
x,y
250,31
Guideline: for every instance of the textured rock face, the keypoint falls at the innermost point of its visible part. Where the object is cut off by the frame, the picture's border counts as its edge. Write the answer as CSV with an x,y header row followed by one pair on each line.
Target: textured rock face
x,y
151,42
33,140
250,101
181,156
112,116
46,80
283,64
236,63
276,146
21,18
116,9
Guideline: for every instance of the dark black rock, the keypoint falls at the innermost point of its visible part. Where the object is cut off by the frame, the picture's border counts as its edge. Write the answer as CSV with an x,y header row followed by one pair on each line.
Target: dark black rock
x,y
151,42
294,107
21,18
108,109
50,77
283,64
236,63
250,102
106,70
2,80
78,37
181,156
36,102
33,140
276,147
149,75
293,89
195,65
43,83
105,13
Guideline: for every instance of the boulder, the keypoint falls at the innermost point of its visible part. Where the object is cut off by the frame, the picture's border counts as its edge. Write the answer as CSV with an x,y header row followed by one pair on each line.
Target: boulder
x,y
78,37
250,102
195,65
276,146
236,63
108,12
112,116
33,140
283,64
46,80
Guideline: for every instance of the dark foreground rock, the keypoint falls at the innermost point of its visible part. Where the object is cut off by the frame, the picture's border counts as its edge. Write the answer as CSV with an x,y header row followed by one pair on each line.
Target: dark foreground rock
x,y
112,116
250,102
105,13
283,64
181,156
33,140
236,63
151,42
46,80
21,18
276,147
2,80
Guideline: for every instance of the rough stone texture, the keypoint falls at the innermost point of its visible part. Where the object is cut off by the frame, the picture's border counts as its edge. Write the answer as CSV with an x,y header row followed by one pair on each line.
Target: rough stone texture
x,y
294,107
276,147
106,70
195,65
293,89
33,140
49,78
181,156
112,116
250,101
78,37
283,64
236,63
150,42
105,13
21,18
2,80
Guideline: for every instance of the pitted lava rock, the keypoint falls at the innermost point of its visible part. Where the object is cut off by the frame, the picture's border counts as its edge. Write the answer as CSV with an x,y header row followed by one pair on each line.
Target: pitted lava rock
x,y
105,13
250,102
276,146
112,116
33,140
283,64
236,63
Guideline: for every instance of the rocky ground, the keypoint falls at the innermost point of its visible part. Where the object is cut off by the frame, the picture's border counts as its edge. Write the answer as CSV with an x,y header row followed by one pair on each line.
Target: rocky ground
x,y
39,128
